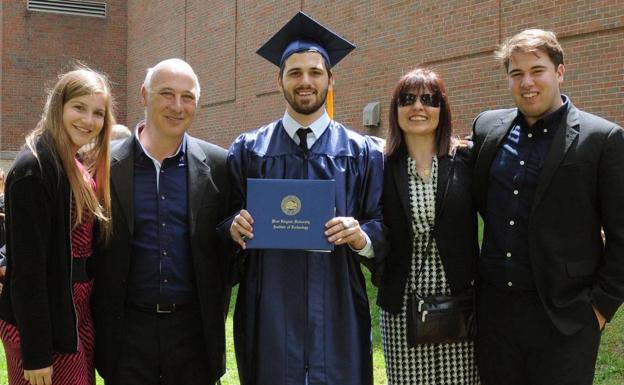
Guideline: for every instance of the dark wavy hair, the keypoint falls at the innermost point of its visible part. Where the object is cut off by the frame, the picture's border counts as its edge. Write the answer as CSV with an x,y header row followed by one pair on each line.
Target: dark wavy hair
x,y
417,81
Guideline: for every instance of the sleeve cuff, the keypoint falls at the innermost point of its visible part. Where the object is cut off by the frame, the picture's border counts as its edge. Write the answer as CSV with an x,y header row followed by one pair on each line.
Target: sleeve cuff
x,y
367,251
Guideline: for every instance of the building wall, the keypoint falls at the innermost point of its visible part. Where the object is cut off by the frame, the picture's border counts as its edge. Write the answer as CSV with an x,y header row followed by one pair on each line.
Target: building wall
x,y
37,46
239,89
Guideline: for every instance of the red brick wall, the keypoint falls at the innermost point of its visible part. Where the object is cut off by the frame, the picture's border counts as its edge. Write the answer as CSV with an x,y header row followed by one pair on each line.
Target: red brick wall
x,y
155,32
457,38
37,46
239,89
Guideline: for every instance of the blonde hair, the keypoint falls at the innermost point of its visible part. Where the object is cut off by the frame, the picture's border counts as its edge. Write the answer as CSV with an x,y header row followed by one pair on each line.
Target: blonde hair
x,y
530,40
79,82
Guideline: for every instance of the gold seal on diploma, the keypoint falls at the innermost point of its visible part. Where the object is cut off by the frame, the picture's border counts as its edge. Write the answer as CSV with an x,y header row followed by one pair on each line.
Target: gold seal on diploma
x,y
291,205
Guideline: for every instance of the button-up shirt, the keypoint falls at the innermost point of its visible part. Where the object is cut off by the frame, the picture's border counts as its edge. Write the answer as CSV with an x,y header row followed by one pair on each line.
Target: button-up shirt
x,y
161,268
318,127
515,171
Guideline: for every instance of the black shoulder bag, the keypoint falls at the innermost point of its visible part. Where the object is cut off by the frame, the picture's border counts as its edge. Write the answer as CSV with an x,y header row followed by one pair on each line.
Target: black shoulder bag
x,y
440,318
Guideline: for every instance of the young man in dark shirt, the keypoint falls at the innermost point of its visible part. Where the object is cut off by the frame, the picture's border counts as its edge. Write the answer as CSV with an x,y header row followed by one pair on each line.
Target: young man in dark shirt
x,y
547,177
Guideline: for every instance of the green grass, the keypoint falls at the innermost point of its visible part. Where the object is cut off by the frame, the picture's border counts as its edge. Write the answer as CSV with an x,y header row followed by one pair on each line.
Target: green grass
x,y
609,367
231,375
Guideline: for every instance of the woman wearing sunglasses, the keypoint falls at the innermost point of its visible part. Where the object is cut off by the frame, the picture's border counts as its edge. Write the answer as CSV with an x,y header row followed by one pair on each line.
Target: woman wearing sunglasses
x,y
426,290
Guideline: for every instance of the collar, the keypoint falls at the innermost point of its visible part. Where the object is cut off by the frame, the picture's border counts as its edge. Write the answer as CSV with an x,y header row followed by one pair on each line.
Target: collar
x,y
318,126
551,119
137,130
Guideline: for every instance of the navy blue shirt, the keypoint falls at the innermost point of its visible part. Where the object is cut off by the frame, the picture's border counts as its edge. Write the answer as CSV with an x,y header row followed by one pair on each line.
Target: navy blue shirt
x,y
514,174
161,269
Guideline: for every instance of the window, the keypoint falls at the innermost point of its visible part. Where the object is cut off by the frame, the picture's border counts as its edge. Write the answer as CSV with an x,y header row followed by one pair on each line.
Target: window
x,y
69,7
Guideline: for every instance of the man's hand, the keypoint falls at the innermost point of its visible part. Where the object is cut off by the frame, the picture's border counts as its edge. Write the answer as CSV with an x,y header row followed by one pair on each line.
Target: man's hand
x,y
601,319
41,376
341,230
241,229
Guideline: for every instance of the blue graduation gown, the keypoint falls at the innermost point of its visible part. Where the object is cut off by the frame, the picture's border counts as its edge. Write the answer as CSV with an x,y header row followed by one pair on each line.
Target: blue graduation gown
x,y
304,313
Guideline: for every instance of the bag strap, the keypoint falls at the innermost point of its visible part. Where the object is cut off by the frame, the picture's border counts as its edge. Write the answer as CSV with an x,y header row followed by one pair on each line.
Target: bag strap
x,y
429,243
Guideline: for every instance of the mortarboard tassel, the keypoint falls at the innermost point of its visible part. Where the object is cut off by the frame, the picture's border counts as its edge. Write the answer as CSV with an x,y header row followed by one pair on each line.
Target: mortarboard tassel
x,y
329,102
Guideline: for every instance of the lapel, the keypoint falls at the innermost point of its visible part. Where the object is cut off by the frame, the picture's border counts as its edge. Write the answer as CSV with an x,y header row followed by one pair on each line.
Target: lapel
x,y
445,165
398,167
401,179
566,133
122,175
488,151
199,181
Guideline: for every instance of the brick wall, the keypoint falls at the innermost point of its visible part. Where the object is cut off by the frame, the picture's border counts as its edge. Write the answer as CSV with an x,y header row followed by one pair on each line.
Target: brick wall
x,y
37,46
239,89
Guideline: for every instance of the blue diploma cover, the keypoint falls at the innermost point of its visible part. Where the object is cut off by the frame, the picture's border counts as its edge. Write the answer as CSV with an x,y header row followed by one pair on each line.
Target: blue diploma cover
x,y
290,213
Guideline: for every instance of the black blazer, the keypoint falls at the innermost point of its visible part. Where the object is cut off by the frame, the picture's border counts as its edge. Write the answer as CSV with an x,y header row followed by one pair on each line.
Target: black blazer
x,y
208,190
455,229
38,278
580,189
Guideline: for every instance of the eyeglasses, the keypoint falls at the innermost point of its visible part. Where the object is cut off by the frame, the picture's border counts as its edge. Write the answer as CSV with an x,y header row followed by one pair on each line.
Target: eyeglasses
x,y
429,100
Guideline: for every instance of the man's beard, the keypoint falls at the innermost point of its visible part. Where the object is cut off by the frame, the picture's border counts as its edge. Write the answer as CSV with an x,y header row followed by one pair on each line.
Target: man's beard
x,y
307,109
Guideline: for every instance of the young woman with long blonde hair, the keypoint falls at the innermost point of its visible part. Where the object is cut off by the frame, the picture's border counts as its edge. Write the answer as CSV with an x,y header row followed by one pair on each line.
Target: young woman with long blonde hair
x,y
54,197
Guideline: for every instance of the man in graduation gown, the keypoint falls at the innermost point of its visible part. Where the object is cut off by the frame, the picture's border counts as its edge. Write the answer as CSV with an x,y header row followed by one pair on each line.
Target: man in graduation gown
x,y
302,317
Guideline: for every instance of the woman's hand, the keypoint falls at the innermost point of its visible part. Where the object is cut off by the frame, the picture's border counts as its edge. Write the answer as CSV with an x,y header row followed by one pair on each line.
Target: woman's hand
x,y
41,376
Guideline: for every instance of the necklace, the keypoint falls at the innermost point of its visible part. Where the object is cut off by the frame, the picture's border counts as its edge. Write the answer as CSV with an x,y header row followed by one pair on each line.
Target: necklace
x,y
424,173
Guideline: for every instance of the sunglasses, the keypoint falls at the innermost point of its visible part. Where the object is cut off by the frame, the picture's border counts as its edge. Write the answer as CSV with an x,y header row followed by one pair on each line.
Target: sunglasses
x,y
429,100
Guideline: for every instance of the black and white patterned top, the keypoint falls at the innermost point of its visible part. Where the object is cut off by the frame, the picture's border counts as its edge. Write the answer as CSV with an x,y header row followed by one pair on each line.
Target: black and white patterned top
x,y
428,364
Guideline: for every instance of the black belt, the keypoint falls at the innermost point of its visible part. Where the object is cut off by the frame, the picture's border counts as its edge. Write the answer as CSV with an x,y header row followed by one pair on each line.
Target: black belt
x,y
81,270
163,308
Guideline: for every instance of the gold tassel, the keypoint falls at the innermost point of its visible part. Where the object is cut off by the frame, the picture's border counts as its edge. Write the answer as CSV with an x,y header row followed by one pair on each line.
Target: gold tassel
x,y
329,102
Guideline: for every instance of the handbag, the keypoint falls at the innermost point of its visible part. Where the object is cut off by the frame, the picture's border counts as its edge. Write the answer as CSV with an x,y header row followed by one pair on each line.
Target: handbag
x,y
441,318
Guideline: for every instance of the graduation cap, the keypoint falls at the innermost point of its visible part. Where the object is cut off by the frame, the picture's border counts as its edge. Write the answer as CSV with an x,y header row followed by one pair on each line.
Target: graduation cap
x,y
303,33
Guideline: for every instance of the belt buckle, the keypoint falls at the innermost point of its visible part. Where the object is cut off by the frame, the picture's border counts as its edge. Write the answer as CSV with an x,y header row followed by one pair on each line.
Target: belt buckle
x,y
165,309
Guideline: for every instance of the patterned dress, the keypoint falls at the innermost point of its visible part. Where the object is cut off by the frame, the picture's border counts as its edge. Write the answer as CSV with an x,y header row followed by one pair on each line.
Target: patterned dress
x,y
427,364
67,369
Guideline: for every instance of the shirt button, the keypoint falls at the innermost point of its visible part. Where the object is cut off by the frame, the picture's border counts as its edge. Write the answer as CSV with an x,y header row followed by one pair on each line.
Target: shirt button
x,y
515,192
508,255
164,252
530,135
545,130
164,224
162,197
511,223
509,284
165,280
521,163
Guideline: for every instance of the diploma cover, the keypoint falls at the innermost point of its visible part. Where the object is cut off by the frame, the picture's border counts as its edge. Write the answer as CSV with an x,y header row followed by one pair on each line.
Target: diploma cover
x,y
290,213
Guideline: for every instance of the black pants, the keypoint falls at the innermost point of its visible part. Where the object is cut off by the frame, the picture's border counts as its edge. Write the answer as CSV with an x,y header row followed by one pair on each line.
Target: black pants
x,y
162,349
517,343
